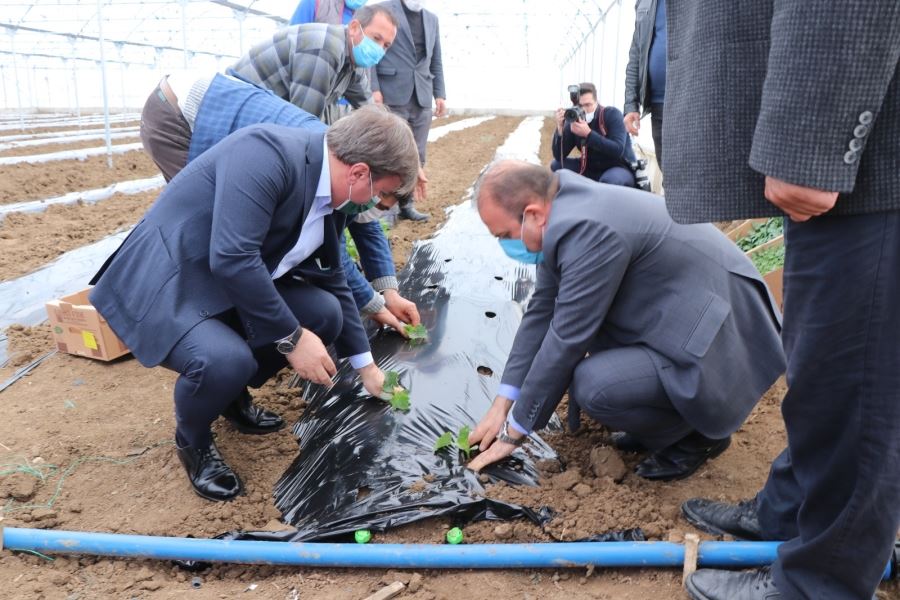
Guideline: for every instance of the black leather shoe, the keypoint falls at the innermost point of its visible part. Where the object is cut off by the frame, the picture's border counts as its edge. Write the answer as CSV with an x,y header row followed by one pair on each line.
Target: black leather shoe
x,y
210,476
715,584
682,458
719,518
410,213
626,442
247,417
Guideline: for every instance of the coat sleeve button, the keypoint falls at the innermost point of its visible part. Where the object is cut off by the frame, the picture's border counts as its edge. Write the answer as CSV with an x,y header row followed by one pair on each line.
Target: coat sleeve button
x,y
204,313
861,131
850,157
866,117
856,144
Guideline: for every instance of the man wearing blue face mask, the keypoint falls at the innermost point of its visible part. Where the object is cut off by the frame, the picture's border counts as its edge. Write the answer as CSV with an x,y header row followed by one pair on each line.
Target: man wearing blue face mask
x,y
665,333
314,64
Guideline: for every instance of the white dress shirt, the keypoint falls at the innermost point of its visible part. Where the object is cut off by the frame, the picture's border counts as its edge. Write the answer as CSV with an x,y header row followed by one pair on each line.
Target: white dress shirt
x,y
312,234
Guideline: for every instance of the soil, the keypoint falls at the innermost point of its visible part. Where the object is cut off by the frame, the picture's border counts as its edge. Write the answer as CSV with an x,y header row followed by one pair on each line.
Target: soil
x,y
39,181
63,146
87,446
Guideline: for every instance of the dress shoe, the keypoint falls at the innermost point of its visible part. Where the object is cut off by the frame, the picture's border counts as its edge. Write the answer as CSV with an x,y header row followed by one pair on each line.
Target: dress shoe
x,y
210,476
624,441
410,213
247,417
719,518
715,584
682,458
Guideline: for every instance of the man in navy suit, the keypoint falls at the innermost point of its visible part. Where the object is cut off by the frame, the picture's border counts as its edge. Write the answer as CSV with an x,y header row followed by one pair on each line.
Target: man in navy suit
x,y
235,272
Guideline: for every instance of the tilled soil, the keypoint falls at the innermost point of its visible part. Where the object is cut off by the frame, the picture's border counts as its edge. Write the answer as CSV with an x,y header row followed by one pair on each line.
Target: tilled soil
x,y
39,181
66,146
88,446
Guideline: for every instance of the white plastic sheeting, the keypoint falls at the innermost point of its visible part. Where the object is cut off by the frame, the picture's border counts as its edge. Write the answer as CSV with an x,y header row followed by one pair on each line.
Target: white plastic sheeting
x,y
71,139
439,132
69,154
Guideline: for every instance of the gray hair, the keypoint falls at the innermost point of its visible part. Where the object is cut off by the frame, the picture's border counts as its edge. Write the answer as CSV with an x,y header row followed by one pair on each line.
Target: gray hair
x,y
384,141
513,185
365,14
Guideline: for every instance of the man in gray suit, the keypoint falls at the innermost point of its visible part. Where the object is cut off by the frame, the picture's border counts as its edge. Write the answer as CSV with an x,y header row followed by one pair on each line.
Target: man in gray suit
x,y
808,127
680,332
410,75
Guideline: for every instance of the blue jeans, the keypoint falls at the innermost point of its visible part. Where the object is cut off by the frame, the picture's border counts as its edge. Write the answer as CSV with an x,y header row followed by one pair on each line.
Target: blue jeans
x,y
834,493
613,175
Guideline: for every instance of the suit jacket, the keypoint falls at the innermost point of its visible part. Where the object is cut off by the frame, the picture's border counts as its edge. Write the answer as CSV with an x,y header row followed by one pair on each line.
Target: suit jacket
x,y
399,74
637,88
807,92
212,240
617,271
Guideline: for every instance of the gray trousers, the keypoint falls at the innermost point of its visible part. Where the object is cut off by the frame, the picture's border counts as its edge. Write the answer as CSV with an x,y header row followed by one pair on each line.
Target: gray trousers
x,y
621,389
419,120
165,134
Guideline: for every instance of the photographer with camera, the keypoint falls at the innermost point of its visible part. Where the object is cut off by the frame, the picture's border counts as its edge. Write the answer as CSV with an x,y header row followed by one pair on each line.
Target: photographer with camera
x,y
599,132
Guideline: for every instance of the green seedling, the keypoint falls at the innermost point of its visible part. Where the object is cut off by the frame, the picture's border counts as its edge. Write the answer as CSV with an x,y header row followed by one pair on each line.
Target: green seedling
x,y
417,334
443,441
393,392
400,400
462,440
761,233
769,259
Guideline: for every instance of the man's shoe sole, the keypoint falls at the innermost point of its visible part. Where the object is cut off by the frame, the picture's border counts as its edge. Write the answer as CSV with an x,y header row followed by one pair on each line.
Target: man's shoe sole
x,y
693,592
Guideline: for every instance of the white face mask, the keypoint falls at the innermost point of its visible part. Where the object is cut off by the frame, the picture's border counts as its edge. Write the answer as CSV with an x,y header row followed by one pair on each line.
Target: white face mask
x,y
588,117
413,5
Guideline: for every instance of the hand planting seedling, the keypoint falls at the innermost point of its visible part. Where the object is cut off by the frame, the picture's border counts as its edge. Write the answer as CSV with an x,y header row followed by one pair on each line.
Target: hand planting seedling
x,y
393,392
443,441
417,334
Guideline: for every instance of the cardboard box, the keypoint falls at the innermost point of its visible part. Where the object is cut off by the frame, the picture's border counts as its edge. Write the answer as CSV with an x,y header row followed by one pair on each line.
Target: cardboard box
x,y
79,329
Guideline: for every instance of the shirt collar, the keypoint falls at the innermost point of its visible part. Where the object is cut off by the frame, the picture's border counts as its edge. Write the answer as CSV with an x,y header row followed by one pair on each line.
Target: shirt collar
x,y
323,192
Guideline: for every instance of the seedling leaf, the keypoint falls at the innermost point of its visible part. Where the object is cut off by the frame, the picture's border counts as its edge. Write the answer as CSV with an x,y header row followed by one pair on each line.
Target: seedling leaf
x,y
443,441
391,380
400,400
462,440
417,334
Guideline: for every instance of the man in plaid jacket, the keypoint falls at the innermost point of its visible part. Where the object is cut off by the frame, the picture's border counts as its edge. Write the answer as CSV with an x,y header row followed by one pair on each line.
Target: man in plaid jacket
x,y
313,65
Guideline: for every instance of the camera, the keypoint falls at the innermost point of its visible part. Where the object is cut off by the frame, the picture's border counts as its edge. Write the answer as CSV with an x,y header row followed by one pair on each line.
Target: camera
x,y
576,113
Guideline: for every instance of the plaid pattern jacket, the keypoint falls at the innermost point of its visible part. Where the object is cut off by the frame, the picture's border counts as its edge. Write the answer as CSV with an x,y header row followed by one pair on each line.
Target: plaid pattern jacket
x,y
308,65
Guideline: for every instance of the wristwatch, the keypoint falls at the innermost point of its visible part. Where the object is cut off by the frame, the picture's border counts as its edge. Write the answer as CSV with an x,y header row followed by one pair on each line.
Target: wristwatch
x,y
287,345
504,436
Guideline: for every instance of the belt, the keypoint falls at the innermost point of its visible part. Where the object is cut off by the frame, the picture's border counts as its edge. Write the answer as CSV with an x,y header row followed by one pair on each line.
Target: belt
x,y
166,93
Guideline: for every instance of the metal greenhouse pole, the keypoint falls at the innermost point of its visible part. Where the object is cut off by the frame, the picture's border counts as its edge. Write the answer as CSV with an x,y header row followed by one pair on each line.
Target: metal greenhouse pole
x,y
74,61
109,162
12,44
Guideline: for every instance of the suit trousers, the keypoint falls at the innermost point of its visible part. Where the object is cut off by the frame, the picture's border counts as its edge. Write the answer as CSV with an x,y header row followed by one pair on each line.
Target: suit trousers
x,y
419,120
217,364
834,493
621,389
165,134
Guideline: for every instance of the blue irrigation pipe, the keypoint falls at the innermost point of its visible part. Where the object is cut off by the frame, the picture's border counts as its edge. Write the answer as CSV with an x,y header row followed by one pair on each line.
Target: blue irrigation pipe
x,y
392,556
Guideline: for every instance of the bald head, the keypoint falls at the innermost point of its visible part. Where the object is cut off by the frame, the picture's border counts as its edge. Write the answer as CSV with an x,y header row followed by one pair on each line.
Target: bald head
x,y
513,185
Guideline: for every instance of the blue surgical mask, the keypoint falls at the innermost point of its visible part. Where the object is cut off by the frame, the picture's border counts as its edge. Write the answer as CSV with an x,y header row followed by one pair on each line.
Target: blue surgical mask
x,y
353,4
352,209
516,249
367,53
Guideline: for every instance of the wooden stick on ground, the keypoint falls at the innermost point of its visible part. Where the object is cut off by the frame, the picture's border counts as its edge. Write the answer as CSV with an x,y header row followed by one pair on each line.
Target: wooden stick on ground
x,y
387,592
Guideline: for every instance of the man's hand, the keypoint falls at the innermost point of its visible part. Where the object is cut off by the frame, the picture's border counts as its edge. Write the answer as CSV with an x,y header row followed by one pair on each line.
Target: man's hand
x,y
560,120
400,307
377,98
386,317
440,107
311,360
421,191
580,128
497,452
800,203
633,123
373,379
487,429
